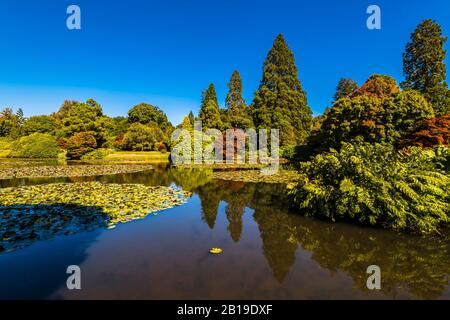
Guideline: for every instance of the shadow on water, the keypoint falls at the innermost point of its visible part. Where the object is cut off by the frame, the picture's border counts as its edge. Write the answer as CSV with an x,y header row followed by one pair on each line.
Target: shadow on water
x,y
36,271
23,225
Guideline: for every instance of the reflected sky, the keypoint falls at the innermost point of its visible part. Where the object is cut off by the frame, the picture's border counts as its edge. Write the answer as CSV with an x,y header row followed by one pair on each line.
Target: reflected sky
x,y
269,253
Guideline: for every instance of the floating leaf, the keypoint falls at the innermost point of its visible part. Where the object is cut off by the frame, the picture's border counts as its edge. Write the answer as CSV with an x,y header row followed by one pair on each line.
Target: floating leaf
x,y
69,171
215,251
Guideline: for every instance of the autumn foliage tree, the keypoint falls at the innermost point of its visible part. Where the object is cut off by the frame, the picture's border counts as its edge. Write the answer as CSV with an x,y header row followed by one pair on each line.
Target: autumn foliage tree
x,y
80,144
377,112
428,133
379,86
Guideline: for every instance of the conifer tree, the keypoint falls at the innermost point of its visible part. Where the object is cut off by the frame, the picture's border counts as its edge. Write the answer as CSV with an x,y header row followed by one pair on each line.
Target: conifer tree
x,y
209,110
345,87
237,115
424,67
191,118
280,102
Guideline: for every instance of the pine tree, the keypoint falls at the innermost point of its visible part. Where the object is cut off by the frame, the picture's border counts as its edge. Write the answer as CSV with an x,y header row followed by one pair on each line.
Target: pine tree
x,y
209,110
191,118
235,103
280,102
237,115
345,87
424,67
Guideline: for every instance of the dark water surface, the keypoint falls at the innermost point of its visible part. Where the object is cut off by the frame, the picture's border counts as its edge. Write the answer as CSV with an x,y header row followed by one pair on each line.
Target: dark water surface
x,y
268,253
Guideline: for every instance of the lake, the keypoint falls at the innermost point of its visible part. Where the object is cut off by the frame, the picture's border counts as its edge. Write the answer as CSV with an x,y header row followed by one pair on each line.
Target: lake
x,y
268,251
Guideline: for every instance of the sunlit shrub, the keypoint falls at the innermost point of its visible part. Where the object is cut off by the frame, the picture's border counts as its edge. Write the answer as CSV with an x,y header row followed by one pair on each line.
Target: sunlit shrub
x,y
37,145
374,184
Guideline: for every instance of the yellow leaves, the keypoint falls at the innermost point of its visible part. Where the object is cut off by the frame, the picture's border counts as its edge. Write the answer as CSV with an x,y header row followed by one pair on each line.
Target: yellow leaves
x,y
215,251
347,185
64,208
69,171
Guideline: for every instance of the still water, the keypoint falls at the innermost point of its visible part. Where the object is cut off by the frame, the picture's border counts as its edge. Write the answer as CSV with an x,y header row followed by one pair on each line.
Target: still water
x,y
268,252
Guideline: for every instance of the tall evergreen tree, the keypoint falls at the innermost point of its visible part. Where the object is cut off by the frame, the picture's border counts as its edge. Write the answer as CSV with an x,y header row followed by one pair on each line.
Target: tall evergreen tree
x,y
191,118
234,101
345,87
424,67
237,115
209,110
280,102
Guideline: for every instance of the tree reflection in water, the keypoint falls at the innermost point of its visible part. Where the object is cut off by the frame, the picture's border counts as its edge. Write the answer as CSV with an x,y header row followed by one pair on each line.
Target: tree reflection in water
x,y
419,265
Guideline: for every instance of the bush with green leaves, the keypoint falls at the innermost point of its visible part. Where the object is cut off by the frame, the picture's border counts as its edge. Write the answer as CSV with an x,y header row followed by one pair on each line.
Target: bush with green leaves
x,y
36,145
5,147
97,154
374,184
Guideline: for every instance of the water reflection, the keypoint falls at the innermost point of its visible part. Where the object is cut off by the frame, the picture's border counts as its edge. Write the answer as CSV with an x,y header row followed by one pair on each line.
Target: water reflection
x,y
23,225
411,266
419,265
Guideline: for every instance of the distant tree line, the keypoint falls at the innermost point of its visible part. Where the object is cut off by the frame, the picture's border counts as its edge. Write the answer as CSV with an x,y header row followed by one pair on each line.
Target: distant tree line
x,y
79,128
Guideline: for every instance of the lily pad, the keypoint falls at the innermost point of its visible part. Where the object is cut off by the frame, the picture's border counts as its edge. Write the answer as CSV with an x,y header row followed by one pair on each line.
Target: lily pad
x,y
32,213
69,171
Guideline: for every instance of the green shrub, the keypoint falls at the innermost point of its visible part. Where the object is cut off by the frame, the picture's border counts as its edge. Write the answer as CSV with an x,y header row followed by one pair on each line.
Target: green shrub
x,y
80,144
5,147
98,154
443,158
36,145
375,185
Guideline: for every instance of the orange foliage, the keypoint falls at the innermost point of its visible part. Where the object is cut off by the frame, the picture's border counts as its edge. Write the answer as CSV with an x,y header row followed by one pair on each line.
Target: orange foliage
x,y
429,133
379,86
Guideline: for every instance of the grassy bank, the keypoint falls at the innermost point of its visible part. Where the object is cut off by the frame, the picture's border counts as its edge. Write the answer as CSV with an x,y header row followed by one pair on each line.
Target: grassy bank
x,y
138,156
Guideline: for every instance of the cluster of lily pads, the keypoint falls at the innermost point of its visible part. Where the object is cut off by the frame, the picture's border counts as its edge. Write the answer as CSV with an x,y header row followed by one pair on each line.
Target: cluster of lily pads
x,y
69,171
39,212
256,176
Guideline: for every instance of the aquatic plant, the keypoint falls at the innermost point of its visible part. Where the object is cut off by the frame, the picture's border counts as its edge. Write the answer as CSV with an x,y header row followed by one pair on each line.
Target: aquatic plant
x,y
69,171
38,212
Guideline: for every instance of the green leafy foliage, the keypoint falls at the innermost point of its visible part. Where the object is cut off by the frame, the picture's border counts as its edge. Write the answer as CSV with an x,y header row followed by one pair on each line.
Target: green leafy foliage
x,y
40,124
148,114
376,112
76,117
36,145
10,123
375,185
97,154
140,137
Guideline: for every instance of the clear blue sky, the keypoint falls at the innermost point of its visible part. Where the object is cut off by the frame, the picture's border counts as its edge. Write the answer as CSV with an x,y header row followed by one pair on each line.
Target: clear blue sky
x,y
166,52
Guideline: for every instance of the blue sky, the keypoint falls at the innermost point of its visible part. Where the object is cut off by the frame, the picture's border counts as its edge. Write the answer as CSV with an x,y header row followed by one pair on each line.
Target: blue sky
x,y
167,52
